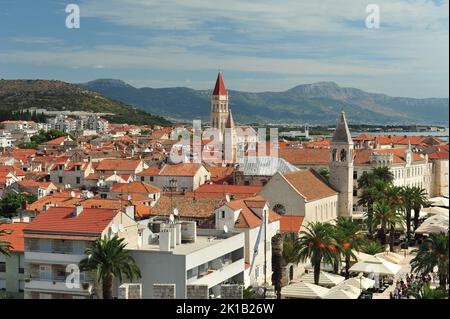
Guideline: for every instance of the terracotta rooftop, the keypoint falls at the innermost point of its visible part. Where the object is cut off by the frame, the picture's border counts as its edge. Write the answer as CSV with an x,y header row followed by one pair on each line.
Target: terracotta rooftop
x,y
291,224
219,88
309,184
187,207
14,235
183,169
134,187
60,220
219,191
115,164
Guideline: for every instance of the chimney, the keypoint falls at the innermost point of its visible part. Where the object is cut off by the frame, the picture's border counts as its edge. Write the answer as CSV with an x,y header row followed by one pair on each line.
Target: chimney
x,y
164,240
78,209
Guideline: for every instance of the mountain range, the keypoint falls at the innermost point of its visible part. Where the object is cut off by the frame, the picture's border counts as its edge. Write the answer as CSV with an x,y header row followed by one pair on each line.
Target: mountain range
x,y
62,96
308,103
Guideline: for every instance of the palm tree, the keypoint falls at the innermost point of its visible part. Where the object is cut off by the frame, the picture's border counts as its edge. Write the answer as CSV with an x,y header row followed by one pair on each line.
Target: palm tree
x,y
5,246
109,259
387,216
372,248
383,173
408,198
433,252
425,292
347,234
419,199
317,244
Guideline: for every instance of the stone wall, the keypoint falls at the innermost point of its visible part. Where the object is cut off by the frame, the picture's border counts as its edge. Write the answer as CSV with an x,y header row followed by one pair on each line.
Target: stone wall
x,y
164,291
231,292
197,292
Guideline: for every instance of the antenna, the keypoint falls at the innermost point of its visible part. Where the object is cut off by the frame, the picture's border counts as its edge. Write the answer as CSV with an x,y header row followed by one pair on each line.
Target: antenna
x,y
115,228
225,229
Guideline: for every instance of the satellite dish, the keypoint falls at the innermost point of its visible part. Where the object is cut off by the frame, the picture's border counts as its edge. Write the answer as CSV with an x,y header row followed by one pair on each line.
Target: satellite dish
x,y
171,218
115,228
260,291
121,228
225,228
175,211
227,197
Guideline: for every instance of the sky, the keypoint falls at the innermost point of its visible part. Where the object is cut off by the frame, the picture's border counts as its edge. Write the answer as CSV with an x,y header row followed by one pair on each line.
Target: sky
x,y
260,45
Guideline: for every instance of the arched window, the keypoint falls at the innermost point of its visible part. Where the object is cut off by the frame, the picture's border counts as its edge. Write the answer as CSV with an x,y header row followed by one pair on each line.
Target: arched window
x,y
279,209
343,155
334,155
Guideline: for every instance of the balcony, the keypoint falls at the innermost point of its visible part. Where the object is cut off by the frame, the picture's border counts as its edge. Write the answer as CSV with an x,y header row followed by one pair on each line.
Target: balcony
x,y
58,285
53,258
213,277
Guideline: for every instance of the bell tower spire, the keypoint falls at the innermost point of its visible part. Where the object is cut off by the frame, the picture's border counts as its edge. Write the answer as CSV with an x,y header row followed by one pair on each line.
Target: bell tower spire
x,y
341,166
219,105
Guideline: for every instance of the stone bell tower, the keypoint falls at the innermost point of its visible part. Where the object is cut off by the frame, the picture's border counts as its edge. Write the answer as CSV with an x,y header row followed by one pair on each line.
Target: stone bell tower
x,y
219,105
341,166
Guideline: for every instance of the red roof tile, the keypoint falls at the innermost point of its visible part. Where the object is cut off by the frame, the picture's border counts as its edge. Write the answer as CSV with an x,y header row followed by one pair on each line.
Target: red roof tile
x,y
291,224
61,220
220,89
14,236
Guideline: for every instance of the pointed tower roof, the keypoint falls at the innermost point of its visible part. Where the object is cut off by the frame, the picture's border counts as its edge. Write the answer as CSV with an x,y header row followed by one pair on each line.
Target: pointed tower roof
x,y
220,89
342,133
230,121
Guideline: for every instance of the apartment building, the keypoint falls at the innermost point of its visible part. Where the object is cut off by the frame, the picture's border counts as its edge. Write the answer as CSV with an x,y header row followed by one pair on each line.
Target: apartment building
x,y
180,253
12,266
58,237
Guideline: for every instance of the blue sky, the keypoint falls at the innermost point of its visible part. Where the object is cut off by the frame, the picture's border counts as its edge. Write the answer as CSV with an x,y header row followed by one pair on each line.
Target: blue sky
x,y
259,45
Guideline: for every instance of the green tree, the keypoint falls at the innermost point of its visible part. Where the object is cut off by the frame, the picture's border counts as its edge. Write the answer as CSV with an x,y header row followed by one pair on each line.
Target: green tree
x,y
347,234
316,243
419,199
13,201
408,197
433,252
372,247
109,259
387,216
325,173
5,246
426,292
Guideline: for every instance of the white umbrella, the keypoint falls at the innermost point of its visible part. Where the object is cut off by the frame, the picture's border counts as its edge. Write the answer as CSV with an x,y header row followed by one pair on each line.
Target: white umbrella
x,y
303,290
391,257
360,282
377,266
435,211
326,279
439,201
343,291
434,224
360,256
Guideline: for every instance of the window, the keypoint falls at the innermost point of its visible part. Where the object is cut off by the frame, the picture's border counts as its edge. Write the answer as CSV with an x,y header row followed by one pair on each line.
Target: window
x,y
246,183
2,284
355,192
60,179
222,214
355,175
2,266
151,178
21,285
279,209
78,180
142,178
343,155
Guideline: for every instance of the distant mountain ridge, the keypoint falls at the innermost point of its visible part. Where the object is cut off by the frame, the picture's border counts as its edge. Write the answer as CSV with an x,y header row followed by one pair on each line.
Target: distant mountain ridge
x,y
307,103
62,96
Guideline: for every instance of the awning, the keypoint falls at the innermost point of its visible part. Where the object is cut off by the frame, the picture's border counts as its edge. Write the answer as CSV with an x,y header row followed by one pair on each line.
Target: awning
x,y
377,266
326,279
434,224
343,291
360,282
303,290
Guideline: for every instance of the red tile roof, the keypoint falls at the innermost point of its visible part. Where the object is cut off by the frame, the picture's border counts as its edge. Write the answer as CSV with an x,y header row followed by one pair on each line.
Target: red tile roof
x,y
14,236
134,187
115,164
57,141
61,220
291,224
151,171
248,218
362,156
219,191
297,156
309,184
183,169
